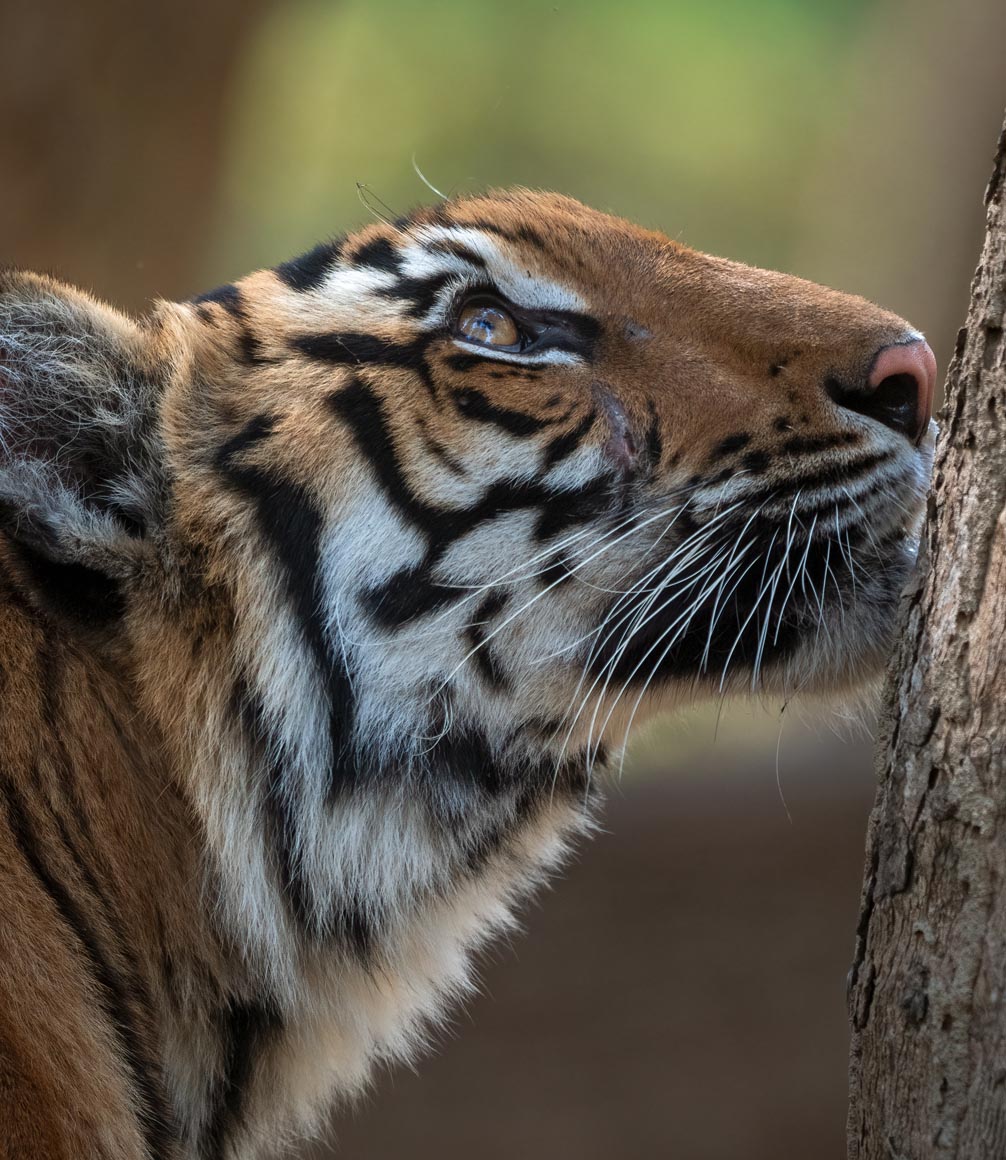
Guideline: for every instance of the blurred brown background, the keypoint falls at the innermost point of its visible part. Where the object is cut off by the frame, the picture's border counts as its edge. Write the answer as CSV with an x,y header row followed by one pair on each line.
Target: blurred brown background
x,y
681,992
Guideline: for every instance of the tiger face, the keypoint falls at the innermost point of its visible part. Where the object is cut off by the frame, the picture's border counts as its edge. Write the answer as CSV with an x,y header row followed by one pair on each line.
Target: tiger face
x,y
387,548
522,465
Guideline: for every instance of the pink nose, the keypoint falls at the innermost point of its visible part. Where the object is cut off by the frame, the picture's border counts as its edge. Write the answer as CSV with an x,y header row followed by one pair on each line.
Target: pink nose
x,y
902,386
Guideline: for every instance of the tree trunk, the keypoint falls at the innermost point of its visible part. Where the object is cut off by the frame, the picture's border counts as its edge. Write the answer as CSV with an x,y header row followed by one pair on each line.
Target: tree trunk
x,y
928,985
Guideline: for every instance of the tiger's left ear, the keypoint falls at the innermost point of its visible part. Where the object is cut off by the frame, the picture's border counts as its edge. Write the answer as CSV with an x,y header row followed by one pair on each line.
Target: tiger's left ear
x,y
80,483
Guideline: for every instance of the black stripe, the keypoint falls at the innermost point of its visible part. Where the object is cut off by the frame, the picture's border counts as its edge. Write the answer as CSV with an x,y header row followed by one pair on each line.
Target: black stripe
x,y
567,509
246,1030
729,445
439,451
250,348
380,254
833,475
483,653
734,633
351,924
254,431
519,234
414,592
155,1117
292,525
350,349
421,292
459,250
557,572
802,445
89,875
347,920
408,595
309,270
358,407
227,296
564,445
280,815
475,405
69,591
757,462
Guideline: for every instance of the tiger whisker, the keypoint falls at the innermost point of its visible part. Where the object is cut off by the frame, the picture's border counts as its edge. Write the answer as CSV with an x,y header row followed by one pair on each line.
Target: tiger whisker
x,y
668,644
548,588
612,666
634,616
747,619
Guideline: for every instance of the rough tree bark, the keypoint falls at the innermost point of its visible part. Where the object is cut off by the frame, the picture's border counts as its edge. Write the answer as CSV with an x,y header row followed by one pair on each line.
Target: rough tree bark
x,y
928,985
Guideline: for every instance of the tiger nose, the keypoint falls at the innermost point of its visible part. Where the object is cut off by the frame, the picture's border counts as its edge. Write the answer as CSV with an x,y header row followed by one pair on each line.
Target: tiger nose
x,y
899,389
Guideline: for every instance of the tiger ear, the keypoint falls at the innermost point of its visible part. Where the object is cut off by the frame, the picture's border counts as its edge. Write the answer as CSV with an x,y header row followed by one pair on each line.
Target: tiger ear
x,y
78,481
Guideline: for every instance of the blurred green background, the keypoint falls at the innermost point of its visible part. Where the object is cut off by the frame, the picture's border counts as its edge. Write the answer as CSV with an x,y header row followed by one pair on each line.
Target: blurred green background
x,y
697,118
681,992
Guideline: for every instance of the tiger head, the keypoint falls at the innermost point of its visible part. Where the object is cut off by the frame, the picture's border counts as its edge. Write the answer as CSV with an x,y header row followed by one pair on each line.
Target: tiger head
x,y
432,513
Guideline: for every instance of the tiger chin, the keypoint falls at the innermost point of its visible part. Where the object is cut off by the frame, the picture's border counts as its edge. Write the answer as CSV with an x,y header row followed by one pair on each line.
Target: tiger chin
x,y
327,596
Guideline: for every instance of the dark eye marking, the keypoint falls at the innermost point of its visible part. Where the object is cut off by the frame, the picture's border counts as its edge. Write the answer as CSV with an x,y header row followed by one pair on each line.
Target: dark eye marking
x,y
462,362
467,362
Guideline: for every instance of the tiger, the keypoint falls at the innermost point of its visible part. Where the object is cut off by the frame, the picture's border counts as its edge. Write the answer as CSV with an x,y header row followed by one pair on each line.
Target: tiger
x,y
329,598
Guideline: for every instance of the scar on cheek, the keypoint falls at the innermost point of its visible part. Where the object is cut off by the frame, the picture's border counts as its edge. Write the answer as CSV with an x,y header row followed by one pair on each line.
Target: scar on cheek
x,y
621,447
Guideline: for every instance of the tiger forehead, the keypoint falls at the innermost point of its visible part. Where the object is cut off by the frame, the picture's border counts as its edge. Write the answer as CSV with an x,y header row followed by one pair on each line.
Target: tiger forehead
x,y
543,251
608,263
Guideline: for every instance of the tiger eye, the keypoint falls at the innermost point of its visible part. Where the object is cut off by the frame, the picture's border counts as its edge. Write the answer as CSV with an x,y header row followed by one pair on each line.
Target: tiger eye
x,y
487,325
